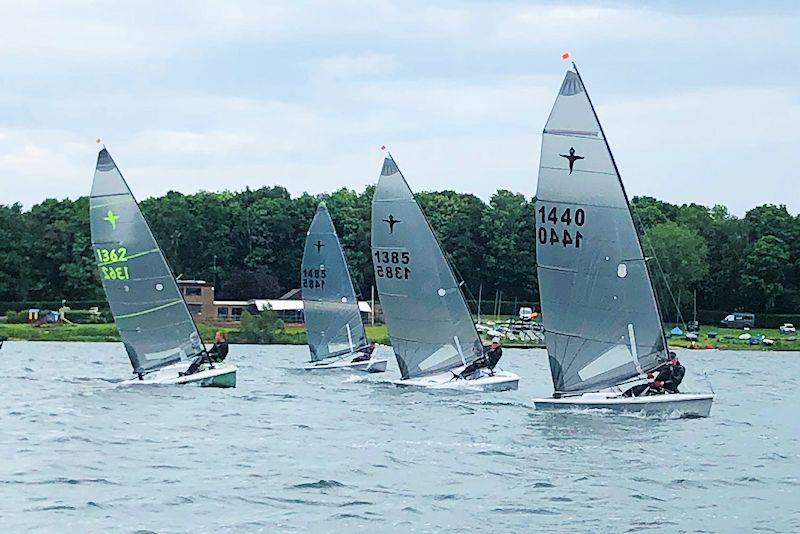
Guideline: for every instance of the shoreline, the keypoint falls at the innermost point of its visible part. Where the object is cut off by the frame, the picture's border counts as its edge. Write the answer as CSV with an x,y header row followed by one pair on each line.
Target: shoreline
x,y
727,339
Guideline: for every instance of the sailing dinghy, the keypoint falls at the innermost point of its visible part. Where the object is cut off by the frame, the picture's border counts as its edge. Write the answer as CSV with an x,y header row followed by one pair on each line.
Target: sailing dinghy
x,y
603,329
433,335
336,336
152,318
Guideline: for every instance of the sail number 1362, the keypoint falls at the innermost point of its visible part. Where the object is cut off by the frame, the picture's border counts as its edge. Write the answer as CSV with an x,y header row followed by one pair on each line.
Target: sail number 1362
x,y
569,235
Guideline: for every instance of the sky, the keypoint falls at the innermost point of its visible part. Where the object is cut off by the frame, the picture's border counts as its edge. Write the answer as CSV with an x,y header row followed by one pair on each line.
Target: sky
x,y
700,101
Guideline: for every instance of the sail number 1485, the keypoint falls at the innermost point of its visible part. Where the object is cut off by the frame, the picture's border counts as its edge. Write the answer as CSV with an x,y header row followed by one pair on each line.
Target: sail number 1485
x,y
568,217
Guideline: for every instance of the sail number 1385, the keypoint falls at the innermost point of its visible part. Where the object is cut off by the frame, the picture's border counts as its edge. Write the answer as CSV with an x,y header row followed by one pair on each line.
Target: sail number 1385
x,y
571,220
392,264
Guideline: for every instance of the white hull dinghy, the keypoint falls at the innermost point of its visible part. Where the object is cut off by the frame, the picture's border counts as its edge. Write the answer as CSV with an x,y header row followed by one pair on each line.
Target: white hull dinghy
x,y
433,335
497,381
336,335
682,404
155,325
373,365
222,375
603,328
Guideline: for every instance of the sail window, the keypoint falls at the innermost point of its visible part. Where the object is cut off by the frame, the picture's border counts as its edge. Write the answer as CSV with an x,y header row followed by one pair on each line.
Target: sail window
x,y
159,287
616,356
622,270
344,300
441,292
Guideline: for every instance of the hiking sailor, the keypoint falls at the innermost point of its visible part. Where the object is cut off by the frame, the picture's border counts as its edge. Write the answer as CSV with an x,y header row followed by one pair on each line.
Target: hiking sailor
x,y
216,354
488,360
671,374
366,353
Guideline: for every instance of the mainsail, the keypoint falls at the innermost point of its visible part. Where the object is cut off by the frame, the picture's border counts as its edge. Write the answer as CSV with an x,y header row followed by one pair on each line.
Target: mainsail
x,y
429,323
333,320
147,306
601,320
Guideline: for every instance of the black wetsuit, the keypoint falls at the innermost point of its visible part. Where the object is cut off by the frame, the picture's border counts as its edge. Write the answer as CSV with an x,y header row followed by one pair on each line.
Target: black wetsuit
x,y
217,354
488,360
219,351
672,376
366,354
494,355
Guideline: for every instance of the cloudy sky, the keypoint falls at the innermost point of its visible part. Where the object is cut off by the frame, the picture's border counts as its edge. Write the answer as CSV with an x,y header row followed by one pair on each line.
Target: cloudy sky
x,y
700,100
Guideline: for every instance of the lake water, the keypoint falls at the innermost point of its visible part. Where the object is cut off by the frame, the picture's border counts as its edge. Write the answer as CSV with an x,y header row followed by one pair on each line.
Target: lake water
x,y
289,451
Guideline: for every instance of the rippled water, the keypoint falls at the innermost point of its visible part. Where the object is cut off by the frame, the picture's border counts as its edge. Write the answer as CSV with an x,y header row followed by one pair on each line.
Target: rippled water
x,y
297,452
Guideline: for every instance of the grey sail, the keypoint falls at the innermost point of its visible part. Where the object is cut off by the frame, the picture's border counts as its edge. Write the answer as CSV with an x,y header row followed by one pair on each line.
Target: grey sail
x,y
333,320
601,319
148,308
429,323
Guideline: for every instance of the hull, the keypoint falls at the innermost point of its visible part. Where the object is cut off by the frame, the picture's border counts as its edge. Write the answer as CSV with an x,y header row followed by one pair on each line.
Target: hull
x,y
222,375
373,365
500,381
685,404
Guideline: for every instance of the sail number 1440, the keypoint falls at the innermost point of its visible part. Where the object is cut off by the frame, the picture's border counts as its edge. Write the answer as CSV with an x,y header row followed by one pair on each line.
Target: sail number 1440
x,y
568,217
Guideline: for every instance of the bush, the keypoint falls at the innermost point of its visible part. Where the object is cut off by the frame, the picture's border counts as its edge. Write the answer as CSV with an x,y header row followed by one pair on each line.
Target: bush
x,y
259,328
13,317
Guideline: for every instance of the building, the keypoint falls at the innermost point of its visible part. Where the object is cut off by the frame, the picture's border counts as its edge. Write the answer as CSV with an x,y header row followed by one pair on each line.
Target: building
x,y
199,296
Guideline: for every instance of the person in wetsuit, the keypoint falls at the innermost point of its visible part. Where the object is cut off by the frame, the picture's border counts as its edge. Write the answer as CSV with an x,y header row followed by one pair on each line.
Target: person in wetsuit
x,y
488,360
671,375
216,354
366,353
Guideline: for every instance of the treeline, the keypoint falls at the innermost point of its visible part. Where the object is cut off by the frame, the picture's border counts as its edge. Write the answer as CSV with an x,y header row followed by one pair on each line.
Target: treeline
x,y
250,244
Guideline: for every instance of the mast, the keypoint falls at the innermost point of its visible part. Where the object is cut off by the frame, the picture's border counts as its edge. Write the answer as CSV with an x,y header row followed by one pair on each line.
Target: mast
x,y
630,211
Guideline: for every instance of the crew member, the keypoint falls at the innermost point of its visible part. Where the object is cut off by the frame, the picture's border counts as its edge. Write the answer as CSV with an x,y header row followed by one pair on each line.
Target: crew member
x,y
216,354
366,353
487,360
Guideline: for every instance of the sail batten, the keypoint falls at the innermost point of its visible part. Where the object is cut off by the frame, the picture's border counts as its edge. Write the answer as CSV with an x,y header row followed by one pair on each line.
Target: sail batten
x,y
146,303
330,307
601,320
429,323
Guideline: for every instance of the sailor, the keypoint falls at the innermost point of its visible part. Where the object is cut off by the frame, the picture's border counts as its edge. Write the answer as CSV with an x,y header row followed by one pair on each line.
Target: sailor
x,y
219,351
366,353
673,374
487,360
216,354
494,353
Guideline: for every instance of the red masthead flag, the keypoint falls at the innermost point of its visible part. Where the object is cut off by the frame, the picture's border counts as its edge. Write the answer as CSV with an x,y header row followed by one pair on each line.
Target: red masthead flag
x,y
383,147
99,140
565,55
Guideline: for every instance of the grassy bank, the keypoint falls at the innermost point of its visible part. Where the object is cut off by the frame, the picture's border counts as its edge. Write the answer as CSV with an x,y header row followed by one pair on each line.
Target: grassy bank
x,y
291,335
728,339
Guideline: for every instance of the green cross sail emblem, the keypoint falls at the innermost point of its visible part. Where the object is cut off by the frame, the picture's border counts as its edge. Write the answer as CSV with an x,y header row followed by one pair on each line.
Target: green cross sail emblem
x,y
112,218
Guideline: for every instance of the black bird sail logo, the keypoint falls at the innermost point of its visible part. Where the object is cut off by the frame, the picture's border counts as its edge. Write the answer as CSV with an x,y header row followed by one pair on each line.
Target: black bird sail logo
x,y
572,158
391,221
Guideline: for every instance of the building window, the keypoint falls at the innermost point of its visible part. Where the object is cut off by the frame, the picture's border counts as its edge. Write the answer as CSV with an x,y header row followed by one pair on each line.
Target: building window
x,y
236,314
195,309
192,291
222,314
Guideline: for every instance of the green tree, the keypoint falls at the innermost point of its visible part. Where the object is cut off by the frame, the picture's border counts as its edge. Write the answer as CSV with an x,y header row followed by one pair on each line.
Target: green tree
x,y
457,222
510,252
677,263
764,272
260,328
15,265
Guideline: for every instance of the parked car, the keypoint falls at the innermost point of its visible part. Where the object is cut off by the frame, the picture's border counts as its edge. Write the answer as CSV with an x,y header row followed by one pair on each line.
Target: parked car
x,y
739,320
526,314
788,328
